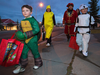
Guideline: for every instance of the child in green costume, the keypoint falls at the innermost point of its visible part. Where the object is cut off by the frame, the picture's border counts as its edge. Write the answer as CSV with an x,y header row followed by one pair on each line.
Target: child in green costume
x,y
30,30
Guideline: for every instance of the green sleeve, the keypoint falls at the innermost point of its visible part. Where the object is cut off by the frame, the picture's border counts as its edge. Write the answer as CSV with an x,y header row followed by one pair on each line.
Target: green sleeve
x,y
35,27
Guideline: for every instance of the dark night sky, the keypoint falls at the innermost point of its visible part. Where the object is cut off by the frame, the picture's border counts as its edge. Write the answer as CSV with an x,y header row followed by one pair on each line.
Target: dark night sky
x,y
11,9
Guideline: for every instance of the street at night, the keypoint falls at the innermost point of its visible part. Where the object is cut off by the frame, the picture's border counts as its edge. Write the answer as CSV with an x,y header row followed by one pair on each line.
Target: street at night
x,y
59,59
50,37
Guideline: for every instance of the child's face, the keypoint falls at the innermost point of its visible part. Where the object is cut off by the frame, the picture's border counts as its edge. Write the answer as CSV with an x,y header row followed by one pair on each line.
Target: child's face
x,y
48,10
84,11
26,12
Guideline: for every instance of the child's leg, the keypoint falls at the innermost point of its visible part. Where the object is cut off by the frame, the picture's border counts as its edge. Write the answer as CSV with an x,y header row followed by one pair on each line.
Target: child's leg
x,y
23,60
79,41
86,38
24,56
34,48
68,37
49,40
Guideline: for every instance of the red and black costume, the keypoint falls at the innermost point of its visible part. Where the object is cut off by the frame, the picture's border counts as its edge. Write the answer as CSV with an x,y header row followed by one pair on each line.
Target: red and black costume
x,y
69,20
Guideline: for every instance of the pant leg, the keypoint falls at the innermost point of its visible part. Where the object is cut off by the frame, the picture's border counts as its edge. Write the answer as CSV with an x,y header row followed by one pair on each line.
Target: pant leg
x,y
86,38
68,36
34,49
23,62
49,40
79,41
24,56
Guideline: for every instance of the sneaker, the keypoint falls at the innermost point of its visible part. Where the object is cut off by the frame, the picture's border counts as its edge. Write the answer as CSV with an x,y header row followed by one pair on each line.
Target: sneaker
x,y
35,67
85,54
48,44
18,70
38,63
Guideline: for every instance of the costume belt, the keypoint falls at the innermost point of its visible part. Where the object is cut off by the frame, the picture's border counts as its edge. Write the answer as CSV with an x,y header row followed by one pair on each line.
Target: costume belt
x,y
69,23
83,27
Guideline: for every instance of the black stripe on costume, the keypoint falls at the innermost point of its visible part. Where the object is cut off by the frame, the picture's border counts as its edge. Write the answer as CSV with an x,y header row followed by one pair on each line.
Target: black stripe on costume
x,y
83,26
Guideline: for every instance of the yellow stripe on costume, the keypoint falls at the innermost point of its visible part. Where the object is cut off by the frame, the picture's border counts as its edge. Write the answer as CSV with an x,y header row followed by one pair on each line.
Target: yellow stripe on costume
x,y
26,26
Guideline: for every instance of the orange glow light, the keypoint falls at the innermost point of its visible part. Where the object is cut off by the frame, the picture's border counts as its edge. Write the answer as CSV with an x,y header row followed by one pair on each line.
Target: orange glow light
x,y
41,4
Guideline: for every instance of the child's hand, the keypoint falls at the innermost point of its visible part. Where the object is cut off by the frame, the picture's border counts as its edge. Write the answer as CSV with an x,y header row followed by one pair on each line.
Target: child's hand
x,y
42,26
76,32
43,29
98,25
63,25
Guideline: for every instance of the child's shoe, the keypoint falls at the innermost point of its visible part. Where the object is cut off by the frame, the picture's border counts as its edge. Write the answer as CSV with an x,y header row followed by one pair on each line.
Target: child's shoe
x,y
18,70
85,54
38,63
35,67
48,44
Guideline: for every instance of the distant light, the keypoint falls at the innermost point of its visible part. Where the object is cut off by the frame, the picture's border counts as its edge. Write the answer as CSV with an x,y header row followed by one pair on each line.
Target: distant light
x,y
40,22
41,4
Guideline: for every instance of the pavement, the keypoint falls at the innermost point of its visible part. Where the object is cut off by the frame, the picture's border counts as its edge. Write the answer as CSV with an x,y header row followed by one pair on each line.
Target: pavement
x,y
59,59
90,65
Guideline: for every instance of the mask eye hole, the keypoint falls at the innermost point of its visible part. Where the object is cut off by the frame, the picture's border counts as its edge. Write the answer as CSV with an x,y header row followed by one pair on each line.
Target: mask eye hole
x,y
84,6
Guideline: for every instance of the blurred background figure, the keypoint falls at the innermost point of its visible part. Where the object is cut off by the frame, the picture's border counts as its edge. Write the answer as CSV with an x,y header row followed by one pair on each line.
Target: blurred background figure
x,y
69,20
78,11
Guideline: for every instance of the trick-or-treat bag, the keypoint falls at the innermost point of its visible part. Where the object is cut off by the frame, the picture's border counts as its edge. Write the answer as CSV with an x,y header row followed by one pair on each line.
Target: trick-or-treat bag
x,y
10,51
73,44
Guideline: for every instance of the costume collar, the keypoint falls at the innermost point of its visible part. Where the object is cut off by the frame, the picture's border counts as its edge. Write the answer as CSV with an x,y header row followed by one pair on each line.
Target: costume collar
x,y
84,13
28,17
